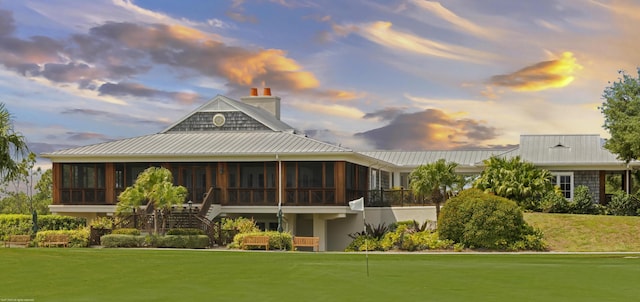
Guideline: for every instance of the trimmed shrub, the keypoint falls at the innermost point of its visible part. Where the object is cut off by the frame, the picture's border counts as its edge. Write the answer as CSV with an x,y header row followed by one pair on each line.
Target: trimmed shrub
x,y
77,238
277,240
186,231
623,204
21,224
126,231
480,220
57,222
583,201
178,241
14,224
122,240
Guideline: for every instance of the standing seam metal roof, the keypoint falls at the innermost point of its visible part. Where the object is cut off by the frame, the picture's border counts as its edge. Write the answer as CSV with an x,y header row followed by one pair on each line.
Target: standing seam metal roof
x,y
205,143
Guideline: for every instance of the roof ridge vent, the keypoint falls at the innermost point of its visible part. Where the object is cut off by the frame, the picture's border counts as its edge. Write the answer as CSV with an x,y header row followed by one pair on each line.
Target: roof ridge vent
x,y
559,145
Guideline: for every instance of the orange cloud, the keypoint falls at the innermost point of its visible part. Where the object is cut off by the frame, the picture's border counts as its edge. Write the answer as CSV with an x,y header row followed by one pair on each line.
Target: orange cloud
x,y
540,76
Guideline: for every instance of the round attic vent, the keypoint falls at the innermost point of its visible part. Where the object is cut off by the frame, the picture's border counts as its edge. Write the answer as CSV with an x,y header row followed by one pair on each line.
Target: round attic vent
x,y
219,120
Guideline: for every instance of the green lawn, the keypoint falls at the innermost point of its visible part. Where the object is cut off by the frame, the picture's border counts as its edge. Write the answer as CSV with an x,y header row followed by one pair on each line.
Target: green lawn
x,y
588,233
60,274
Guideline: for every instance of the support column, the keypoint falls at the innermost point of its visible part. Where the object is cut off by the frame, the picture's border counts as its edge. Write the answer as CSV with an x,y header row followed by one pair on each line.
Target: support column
x,y
320,230
290,226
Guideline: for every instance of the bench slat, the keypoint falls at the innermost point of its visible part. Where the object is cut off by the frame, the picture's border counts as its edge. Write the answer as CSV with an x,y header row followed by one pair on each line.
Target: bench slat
x,y
256,241
313,242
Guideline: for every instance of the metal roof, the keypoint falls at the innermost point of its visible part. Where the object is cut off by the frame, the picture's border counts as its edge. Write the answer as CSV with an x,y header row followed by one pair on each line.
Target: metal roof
x,y
416,158
564,149
206,143
222,103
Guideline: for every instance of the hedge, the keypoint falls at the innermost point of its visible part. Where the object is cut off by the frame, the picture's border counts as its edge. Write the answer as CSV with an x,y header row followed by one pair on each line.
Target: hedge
x,y
126,231
121,240
178,241
77,238
21,224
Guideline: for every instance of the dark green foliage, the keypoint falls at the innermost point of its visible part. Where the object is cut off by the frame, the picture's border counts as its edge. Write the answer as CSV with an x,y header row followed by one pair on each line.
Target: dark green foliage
x,y
480,220
17,224
623,204
122,240
621,110
126,231
179,241
185,231
376,232
77,238
583,201
554,202
516,180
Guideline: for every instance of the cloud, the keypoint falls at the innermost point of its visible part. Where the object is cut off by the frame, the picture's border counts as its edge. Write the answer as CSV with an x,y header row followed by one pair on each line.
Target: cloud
x,y
540,76
139,90
385,114
108,55
87,136
331,110
430,129
116,117
383,34
464,25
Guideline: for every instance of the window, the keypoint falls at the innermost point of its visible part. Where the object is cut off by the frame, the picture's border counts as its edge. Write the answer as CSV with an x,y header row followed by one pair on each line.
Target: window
x,y
83,183
564,181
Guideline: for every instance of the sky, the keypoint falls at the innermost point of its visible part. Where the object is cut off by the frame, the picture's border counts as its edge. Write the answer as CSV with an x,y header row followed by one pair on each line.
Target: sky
x,y
393,75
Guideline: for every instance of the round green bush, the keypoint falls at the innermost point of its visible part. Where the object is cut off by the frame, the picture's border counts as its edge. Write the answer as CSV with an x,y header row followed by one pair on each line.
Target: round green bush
x,y
480,220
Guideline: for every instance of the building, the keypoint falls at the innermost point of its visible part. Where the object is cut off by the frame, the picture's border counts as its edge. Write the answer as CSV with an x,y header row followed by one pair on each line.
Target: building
x,y
247,162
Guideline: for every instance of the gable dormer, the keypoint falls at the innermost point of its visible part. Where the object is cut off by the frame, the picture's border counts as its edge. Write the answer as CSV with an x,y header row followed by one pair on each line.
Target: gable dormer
x,y
224,114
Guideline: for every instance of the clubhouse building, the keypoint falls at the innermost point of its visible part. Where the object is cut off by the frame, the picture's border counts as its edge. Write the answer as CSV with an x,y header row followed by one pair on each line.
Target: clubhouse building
x,y
237,158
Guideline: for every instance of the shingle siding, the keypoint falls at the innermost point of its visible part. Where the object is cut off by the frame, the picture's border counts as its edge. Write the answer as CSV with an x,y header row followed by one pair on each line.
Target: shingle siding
x,y
234,121
590,179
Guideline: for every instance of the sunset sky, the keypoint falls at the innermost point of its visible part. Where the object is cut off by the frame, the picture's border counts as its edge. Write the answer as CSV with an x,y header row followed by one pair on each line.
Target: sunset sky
x,y
405,75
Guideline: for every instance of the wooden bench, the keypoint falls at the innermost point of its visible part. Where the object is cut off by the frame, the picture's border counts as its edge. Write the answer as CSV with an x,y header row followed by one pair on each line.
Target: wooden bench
x,y
56,240
17,240
313,242
255,241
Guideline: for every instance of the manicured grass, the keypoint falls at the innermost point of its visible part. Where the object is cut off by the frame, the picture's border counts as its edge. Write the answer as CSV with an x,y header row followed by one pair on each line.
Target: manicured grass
x,y
59,274
588,233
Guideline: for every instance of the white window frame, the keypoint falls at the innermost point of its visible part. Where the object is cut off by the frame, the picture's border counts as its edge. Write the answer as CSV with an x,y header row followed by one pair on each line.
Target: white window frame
x,y
571,185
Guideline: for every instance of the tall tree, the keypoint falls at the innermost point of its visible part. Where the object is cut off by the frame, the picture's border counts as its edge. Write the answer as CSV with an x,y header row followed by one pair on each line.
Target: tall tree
x,y
621,110
515,179
13,147
18,193
435,181
154,185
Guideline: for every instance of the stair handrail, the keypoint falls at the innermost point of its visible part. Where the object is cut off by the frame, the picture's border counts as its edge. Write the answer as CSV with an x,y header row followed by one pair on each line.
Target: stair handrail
x,y
206,203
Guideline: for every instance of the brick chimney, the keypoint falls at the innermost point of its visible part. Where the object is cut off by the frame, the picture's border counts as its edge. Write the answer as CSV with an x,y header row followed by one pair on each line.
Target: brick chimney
x,y
265,101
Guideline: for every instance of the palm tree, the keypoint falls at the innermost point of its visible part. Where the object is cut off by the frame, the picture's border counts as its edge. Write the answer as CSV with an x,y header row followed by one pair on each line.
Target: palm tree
x,y
435,180
12,147
154,185
515,179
